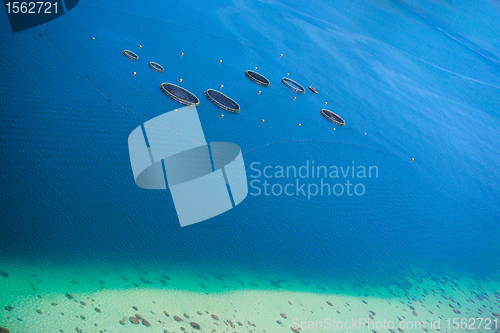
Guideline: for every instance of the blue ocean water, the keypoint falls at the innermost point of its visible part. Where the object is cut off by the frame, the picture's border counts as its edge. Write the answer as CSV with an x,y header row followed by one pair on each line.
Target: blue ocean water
x,y
420,83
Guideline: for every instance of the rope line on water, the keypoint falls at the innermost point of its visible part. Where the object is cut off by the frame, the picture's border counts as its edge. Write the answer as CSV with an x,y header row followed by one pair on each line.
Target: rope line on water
x,y
324,141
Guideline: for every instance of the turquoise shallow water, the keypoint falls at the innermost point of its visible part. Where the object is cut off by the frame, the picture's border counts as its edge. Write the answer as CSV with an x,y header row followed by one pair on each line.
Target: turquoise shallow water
x,y
420,86
102,297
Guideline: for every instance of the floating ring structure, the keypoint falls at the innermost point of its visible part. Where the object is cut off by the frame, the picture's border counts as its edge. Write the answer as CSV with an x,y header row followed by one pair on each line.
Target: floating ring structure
x,y
258,78
179,94
222,101
333,117
155,66
131,55
293,85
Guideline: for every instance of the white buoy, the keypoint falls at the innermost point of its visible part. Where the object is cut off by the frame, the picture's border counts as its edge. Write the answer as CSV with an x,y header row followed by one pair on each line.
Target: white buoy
x,y
93,37
221,86
220,61
135,73
140,46
334,129
262,121
294,98
326,103
180,80
281,55
182,54
255,67
259,92
412,159
222,116
300,124
175,110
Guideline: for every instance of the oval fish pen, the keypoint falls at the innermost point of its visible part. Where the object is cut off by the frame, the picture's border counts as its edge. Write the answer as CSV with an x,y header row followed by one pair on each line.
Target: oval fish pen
x,y
258,78
222,101
131,55
293,85
333,117
155,66
179,94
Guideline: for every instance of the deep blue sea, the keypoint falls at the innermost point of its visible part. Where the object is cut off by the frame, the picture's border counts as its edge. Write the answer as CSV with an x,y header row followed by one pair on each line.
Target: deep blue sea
x,y
412,79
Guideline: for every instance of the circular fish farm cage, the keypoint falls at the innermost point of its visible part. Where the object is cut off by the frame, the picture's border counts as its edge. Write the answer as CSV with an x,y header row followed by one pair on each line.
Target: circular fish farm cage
x,y
258,78
131,55
333,117
222,101
293,85
179,94
157,67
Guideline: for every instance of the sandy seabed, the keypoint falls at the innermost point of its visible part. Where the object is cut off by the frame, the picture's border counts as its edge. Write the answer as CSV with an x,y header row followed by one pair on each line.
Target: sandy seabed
x,y
66,299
